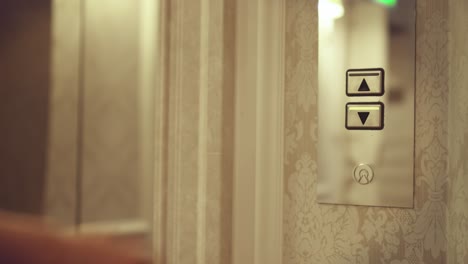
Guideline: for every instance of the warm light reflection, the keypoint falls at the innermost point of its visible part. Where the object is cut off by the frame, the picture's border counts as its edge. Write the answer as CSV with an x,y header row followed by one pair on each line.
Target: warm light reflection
x,y
331,9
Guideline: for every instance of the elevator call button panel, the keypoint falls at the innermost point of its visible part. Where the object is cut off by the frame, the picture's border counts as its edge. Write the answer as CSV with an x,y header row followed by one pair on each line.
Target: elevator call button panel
x,y
362,114
366,172
366,106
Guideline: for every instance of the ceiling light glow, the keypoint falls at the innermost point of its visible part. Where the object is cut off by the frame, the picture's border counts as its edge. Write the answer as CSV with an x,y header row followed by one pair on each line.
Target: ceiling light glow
x,y
331,9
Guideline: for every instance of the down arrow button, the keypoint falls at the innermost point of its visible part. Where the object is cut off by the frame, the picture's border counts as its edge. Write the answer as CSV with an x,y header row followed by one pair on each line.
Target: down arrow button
x,y
363,116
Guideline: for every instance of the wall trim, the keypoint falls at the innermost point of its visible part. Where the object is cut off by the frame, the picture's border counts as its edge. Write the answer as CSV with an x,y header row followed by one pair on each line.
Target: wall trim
x,y
257,217
160,133
258,165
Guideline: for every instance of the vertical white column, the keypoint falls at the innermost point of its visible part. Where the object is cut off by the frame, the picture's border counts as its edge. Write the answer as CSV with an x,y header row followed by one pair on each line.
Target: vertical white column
x,y
258,171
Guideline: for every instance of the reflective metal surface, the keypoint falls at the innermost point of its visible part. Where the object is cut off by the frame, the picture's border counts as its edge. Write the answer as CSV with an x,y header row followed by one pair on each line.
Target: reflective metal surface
x,y
366,103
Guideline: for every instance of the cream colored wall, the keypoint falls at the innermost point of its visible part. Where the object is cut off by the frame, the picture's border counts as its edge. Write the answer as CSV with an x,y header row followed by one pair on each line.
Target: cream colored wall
x,y
110,154
61,187
458,135
101,112
348,234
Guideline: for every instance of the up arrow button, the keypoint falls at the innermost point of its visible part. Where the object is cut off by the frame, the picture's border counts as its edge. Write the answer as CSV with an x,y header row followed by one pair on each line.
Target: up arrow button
x,y
365,82
364,87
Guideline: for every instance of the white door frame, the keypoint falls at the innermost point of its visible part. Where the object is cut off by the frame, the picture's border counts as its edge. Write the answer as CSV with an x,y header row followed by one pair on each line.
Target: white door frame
x,y
257,221
258,165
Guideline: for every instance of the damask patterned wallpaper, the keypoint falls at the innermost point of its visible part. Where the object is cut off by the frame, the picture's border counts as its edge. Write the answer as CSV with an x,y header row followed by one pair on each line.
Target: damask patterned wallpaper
x,y
349,234
458,135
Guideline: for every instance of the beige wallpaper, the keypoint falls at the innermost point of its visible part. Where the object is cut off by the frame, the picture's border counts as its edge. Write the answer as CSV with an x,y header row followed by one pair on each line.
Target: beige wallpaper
x,y
458,134
349,234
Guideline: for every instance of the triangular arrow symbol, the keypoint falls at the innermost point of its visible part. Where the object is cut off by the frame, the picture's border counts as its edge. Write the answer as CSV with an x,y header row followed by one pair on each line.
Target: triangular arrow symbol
x,y
363,116
364,87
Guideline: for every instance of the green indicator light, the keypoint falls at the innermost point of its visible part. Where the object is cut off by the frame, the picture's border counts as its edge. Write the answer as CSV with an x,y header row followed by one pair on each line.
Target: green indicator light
x,y
390,3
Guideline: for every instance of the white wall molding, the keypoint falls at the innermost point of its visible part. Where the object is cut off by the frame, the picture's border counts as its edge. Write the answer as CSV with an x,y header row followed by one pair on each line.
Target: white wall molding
x,y
243,244
270,98
258,171
181,230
